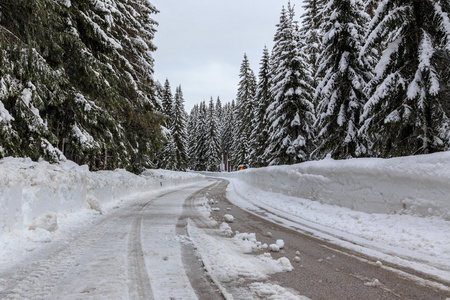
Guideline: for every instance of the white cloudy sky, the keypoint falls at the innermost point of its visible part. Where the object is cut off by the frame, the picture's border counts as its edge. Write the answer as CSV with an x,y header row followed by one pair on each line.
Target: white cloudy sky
x,y
201,43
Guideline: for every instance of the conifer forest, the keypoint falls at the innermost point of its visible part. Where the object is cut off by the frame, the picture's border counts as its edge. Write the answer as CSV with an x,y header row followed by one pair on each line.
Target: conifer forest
x,y
347,79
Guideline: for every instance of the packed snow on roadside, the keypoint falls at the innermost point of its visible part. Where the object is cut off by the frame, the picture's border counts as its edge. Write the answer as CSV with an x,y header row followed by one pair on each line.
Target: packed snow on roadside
x,y
40,202
397,210
227,261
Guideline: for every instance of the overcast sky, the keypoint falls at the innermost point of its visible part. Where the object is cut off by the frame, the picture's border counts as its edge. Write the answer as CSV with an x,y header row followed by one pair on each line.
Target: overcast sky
x,y
201,43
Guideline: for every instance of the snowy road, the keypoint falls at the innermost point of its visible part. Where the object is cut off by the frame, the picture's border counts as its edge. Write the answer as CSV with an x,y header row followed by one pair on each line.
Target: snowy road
x,y
133,253
176,245
326,270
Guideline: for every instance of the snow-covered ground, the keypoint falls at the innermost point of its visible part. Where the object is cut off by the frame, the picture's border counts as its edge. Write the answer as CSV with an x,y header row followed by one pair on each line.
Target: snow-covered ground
x,y
226,261
396,210
418,185
47,205
39,201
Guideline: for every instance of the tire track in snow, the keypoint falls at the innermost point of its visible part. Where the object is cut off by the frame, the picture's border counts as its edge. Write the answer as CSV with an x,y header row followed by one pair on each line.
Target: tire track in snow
x,y
36,280
139,287
200,280
48,271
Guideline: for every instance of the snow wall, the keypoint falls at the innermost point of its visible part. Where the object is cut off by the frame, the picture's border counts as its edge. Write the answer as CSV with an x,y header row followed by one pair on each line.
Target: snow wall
x,y
30,189
418,185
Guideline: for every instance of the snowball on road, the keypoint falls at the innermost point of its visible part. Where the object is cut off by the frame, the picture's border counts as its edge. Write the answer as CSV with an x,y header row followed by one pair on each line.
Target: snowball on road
x,y
280,244
228,218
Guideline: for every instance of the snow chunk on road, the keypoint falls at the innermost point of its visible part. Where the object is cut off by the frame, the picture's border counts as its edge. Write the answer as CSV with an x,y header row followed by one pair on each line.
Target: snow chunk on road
x,y
226,261
225,230
285,263
274,291
247,242
94,204
48,222
280,244
274,248
373,283
228,218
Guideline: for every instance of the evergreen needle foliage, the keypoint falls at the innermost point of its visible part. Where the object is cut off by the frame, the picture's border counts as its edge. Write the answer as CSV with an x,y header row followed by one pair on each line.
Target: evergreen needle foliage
x,y
76,82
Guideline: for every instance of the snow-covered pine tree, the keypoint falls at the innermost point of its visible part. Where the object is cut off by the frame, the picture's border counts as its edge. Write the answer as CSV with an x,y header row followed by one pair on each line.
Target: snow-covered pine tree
x,y
340,93
406,112
32,90
168,157
191,137
245,111
259,135
86,69
370,6
221,125
371,58
159,93
291,114
228,135
178,130
212,139
219,108
201,145
311,35
167,102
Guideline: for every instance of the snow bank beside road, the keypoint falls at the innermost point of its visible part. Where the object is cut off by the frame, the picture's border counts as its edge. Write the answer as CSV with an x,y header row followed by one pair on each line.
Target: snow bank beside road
x,y
418,185
29,190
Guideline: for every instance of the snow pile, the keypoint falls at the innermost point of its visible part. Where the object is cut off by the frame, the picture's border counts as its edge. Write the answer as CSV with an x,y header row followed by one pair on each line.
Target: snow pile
x,y
48,222
228,218
32,193
274,248
417,185
225,230
274,292
415,241
226,262
280,244
246,242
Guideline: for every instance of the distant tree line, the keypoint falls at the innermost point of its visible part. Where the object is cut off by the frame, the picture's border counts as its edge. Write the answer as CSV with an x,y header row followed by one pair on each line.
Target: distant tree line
x,y
357,79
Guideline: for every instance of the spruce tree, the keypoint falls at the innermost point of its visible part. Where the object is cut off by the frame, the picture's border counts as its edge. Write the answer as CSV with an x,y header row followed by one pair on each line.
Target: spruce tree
x,y
259,135
221,125
168,159
87,71
291,114
406,113
219,108
167,102
212,139
201,139
311,34
191,137
340,93
178,130
245,112
228,135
